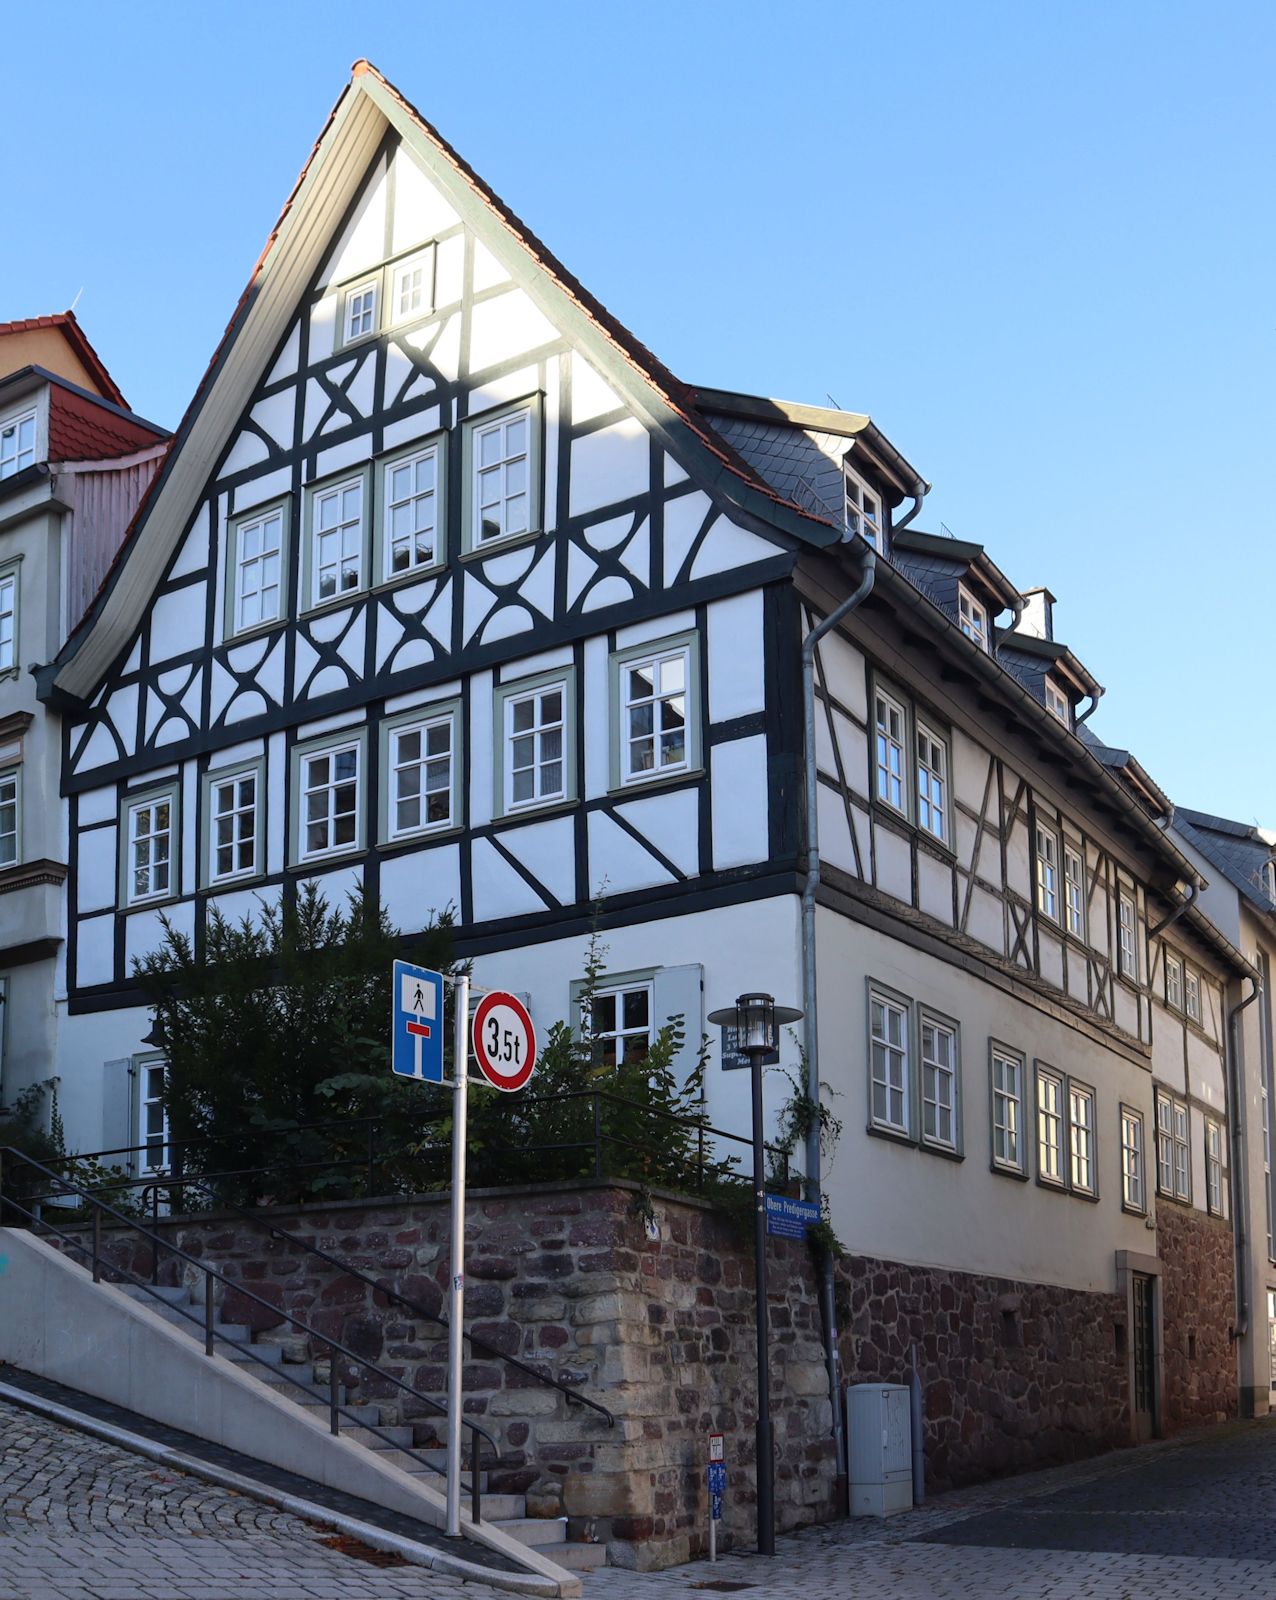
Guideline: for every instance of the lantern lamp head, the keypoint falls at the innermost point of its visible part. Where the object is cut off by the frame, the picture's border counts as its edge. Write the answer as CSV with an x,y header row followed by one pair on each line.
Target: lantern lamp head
x,y
757,1020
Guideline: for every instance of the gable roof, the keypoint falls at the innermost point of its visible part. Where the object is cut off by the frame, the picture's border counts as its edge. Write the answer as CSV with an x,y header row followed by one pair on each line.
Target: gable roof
x,y
70,331
366,110
1238,849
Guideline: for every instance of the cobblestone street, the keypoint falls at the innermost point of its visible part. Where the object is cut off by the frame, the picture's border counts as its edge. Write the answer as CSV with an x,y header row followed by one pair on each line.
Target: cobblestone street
x,y
84,1520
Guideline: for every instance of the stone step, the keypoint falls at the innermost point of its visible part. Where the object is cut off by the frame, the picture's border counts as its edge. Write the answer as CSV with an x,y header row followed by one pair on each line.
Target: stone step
x,y
271,1354
535,1532
172,1294
400,1435
580,1557
191,1321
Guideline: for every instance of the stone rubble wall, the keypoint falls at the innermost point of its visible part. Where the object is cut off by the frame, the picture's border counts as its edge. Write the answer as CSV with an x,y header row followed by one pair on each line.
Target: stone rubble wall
x,y
1197,1314
1017,1375
655,1321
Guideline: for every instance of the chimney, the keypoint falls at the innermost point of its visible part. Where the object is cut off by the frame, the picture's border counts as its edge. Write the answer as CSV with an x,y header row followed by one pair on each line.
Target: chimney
x,y
1037,620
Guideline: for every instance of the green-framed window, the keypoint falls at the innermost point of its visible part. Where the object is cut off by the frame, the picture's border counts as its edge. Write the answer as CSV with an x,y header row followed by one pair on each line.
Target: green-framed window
x,y
502,464
327,799
232,846
256,591
337,538
421,766
150,844
535,726
395,294
655,711
411,522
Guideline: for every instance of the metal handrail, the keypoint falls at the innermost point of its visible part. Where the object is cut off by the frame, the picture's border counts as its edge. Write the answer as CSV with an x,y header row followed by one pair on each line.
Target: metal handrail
x,y
335,1347
477,1342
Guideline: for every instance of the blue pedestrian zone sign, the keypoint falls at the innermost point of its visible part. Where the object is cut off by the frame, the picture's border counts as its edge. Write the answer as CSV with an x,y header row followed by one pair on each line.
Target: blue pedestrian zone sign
x,y
789,1219
417,1034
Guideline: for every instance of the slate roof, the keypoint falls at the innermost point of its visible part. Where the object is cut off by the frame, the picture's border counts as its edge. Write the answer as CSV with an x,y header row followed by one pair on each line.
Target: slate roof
x,y
75,336
1130,769
1238,849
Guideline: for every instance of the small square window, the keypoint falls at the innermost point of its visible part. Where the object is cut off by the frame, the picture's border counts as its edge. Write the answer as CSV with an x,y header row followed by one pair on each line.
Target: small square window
x,y
1057,703
620,1027
412,287
864,513
17,443
972,618
359,313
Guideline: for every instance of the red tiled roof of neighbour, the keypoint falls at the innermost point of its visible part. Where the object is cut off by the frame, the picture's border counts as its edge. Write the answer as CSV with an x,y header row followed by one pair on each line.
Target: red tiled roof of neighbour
x,y
82,430
74,335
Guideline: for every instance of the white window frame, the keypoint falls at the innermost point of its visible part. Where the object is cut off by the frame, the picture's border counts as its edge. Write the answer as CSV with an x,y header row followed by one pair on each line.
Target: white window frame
x,y
9,600
1006,1101
1192,994
932,812
507,697
940,1080
233,778
1046,855
1173,982
1173,1149
528,410
654,656
1269,879
10,796
131,807
433,449
330,746
1074,906
1133,1167
370,284
144,1066
620,1034
1051,1116
884,744
973,619
864,510
423,261
1083,1176
423,721
1213,1167
317,494
257,520
12,459
1127,935
1057,703
889,1053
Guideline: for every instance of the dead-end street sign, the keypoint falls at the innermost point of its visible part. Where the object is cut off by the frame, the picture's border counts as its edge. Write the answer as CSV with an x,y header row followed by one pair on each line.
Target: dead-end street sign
x,y
417,1038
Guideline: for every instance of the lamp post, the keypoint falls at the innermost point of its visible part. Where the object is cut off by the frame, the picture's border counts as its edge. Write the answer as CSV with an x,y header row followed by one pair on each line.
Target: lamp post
x,y
757,1019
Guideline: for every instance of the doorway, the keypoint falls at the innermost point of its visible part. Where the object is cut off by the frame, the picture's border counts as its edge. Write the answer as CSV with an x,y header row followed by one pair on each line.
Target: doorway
x,y
1144,1290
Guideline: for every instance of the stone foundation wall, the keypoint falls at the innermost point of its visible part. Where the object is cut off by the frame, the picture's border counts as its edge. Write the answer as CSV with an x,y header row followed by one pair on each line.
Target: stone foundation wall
x,y
1017,1375
1197,1314
652,1317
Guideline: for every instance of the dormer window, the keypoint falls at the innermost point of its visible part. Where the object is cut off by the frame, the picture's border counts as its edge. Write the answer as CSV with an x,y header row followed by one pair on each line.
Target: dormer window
x,y
972,618
17,444
1057,703
864,511
360,311
1269,879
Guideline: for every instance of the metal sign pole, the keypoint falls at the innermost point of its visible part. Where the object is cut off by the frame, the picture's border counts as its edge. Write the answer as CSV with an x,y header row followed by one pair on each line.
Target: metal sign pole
x,y
456,1300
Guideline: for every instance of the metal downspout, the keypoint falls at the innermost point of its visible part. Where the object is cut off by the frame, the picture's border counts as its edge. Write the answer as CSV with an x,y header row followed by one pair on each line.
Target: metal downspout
x,y
1240,1222
810,1030
1089,710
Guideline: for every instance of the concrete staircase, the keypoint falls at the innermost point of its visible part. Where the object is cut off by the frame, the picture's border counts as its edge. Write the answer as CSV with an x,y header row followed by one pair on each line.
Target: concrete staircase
x,y
288,1366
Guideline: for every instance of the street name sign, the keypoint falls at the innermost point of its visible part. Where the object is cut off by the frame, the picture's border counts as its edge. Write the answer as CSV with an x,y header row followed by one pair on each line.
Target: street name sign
x,y
417,1035
789,1219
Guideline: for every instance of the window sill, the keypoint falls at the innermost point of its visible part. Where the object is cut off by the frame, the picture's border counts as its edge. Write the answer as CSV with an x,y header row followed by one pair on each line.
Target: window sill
x,y
551,808
945,1152
323,607
248,880
1133,1211
152,903
1017,1173
337,858
507,541
891,1135
1055,1185
423,836
400,580
664,780
883,811
260,631
10,674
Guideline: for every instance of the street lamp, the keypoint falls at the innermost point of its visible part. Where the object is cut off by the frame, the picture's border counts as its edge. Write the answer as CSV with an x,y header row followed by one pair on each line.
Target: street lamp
x,y
757,1021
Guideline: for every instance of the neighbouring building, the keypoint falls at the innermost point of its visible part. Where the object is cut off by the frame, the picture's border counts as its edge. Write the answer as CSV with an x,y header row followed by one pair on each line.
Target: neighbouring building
x,y
74,464
448,588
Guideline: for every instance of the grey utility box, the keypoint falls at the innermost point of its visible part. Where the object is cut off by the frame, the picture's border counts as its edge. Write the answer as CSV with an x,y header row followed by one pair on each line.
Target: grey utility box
x,y
879,1448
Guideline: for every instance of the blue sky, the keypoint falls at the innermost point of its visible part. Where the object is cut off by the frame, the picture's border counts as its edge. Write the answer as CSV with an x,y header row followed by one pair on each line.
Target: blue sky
x,y
1033,241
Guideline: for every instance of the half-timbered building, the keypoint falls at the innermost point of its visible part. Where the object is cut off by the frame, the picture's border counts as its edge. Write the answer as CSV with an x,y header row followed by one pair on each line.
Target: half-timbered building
x,y
449,589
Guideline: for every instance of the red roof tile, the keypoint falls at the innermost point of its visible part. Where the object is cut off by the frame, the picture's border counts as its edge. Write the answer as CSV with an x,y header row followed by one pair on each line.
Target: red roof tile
x,y
75,337
82,430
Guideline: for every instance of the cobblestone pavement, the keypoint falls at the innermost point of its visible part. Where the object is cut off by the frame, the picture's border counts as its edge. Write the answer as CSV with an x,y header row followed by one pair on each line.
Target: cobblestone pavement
x,y
83,1520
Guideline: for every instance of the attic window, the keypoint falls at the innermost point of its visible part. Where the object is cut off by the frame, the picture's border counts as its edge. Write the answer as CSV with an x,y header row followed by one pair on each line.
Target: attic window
x,y
972,618
1269,879
1057,703
17,444
864,510
359,310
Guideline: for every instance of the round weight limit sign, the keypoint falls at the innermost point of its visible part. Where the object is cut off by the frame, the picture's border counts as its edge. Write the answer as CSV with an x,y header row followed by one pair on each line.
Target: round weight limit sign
x,y
504,1041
